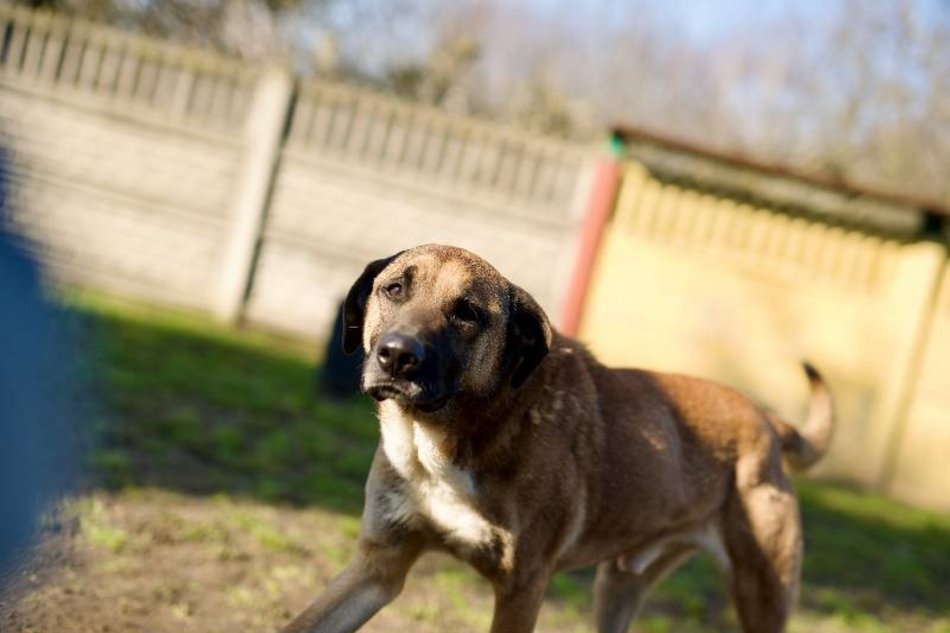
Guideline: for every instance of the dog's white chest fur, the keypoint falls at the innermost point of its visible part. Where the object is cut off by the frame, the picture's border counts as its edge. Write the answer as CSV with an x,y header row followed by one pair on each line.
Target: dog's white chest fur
x,y
437,489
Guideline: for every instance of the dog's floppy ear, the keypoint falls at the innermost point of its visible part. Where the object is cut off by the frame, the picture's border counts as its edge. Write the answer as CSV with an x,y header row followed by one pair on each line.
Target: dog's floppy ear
x,y
354,307
529,335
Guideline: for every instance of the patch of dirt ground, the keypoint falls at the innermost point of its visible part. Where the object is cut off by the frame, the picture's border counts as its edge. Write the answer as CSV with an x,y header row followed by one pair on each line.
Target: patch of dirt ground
x,y
162,562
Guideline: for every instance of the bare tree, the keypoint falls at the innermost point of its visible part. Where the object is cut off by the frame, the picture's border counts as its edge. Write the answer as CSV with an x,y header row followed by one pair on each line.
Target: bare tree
x,y
246,28
853,89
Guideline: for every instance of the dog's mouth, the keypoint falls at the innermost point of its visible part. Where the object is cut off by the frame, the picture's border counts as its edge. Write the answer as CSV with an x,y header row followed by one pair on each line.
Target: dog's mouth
x,y
408,394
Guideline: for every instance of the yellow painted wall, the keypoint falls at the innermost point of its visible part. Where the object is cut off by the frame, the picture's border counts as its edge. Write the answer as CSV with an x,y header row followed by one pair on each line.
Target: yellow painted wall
x,y
921,471
693,283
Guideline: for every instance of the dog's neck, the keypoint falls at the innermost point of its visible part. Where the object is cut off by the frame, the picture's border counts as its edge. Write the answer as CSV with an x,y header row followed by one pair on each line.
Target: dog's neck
x,y
446,462
413,446
475,431
440,490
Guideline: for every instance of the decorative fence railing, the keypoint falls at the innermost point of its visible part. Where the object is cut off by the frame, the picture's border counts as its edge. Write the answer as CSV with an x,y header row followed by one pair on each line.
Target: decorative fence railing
x,y
126,133
361,125
60,54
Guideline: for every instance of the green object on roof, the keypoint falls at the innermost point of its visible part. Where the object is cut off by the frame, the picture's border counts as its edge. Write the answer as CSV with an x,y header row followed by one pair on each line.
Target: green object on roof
x,y
615,146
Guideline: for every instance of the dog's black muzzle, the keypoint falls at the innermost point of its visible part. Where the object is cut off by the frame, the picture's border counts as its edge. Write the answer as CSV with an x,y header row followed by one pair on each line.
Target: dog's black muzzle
x,y
400,356
404,368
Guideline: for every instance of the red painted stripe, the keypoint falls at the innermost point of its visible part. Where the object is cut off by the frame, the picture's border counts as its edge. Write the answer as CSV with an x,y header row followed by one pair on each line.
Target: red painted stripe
x,y
603,195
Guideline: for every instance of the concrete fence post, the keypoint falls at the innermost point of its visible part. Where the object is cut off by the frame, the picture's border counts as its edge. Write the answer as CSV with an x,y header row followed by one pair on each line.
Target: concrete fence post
x,y
921,294
910,307
263,139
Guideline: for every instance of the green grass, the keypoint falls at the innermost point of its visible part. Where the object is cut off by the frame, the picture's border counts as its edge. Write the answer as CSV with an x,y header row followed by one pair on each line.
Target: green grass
x,y
204,410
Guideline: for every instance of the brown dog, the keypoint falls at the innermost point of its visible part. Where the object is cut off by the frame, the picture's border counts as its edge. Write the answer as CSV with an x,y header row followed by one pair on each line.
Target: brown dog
x,y
511,447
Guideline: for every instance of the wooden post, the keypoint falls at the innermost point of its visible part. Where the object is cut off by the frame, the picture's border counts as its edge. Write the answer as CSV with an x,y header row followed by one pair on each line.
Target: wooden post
x,y
263,140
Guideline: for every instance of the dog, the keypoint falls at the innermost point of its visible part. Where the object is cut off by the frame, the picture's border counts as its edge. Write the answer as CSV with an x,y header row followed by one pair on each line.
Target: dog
x,y
508,445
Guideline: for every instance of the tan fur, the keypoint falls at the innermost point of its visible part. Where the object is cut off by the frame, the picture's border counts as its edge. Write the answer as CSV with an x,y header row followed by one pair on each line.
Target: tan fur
x,y
581,465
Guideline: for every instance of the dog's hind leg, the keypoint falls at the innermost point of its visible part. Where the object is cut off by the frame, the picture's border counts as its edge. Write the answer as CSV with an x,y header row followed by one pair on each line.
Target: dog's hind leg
x,y
763,539
619,593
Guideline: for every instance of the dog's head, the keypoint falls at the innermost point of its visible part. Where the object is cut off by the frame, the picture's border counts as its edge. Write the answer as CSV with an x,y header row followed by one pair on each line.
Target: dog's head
x,y
438,321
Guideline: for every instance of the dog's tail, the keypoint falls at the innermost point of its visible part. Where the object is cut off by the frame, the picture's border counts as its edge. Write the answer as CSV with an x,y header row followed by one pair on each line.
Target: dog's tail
x,y
803,447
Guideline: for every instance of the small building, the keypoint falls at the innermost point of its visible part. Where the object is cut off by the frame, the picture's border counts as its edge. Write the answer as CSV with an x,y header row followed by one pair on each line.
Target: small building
x,y
719,266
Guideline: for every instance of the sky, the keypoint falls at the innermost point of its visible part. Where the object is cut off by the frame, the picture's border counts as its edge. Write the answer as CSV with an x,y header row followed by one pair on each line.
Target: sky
x,y
707,20
697,22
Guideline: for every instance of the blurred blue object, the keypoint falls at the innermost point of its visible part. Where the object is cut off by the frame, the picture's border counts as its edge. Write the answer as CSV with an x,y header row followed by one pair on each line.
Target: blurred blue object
x,y
28,392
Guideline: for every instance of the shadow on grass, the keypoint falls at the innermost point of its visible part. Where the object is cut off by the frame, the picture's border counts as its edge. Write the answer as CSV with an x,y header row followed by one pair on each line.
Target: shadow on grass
x,y
198,409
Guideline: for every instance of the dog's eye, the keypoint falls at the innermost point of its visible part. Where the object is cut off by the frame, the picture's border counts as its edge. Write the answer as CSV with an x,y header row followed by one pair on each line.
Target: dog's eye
x,y
393,290
466,314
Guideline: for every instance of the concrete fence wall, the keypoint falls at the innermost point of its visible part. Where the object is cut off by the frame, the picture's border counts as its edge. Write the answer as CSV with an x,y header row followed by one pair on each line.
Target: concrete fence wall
x,y
176,176
363,175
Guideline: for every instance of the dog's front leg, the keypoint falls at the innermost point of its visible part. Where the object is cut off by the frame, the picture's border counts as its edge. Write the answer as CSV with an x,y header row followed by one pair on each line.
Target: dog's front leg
x,y
517,604
372,580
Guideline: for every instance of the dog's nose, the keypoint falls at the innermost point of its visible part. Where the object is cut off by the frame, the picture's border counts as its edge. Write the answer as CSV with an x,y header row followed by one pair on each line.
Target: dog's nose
x,y
399,355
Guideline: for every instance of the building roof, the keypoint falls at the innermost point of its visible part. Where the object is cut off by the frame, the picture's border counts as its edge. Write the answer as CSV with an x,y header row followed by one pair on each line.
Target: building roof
x,y
780,186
